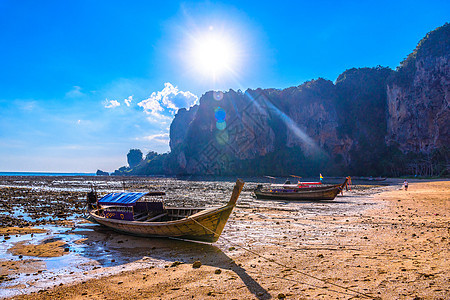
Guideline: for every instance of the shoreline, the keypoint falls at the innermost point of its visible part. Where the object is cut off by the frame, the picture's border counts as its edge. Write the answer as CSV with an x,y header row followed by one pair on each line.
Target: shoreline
x,y
379,248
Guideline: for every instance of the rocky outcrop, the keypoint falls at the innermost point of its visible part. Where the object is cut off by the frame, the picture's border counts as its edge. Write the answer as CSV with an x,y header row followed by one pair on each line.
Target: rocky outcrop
x,y
362,112
180,125
226,127
419,94
101,173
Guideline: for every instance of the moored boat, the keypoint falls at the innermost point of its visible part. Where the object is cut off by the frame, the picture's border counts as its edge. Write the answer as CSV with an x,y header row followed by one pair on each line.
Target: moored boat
x,y
302,194
370,178
303,186
130,213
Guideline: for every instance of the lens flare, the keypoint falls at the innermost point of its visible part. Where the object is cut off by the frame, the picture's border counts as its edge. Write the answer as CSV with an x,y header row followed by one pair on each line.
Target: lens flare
x,y
307,142
222,138
220,114
218,95
221,125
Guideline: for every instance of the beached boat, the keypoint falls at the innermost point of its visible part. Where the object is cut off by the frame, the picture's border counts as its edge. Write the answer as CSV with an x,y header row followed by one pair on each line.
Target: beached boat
x,y
370,178
302,194
303,186
131,213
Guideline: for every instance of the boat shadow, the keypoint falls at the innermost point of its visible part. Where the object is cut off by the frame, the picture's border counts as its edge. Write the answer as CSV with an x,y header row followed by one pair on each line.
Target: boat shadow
x,y
110,248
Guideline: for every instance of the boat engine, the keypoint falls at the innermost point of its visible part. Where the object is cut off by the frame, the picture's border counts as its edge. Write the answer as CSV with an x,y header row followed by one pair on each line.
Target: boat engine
x,y
92,200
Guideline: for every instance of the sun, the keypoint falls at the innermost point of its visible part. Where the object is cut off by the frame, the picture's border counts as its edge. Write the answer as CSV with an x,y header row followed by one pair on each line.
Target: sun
x,y
214,54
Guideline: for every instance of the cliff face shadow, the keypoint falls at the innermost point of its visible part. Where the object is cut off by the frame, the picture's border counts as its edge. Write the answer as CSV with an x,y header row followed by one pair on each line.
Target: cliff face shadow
x,y
110,248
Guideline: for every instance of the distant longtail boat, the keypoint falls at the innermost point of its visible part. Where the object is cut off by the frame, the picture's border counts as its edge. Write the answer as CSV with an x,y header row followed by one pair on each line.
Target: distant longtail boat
x,y
316,193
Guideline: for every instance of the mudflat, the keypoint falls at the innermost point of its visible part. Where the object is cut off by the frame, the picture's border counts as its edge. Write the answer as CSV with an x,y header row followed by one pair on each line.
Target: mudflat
x,y
385,243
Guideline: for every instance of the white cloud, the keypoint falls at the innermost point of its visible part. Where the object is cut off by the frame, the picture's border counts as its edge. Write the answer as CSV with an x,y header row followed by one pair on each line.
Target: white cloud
x,y
170,99
162,138
75,92
151,106
111,103
159,136
26,105
159,119
128,100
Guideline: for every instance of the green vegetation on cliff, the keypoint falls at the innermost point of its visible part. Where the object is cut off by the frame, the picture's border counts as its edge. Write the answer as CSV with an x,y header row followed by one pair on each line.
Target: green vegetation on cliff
x,y
435,44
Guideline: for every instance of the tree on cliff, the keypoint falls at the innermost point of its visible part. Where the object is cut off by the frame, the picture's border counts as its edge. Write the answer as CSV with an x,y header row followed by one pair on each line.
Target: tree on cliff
x,y
151,155
134,157
435,44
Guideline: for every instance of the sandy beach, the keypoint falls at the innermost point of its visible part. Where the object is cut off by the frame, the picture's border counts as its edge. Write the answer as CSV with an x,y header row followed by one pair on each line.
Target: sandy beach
x,y
379,242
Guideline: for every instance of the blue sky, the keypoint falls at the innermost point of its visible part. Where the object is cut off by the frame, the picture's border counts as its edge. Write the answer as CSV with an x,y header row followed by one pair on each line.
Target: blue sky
x,y
82,82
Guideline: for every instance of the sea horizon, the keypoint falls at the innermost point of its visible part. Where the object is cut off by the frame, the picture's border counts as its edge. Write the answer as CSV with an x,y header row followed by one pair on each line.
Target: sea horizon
x,y
45,174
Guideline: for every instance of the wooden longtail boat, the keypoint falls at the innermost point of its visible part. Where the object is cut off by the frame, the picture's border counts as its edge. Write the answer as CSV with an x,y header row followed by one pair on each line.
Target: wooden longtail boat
x,y
124,213
302,194
298,187
371,178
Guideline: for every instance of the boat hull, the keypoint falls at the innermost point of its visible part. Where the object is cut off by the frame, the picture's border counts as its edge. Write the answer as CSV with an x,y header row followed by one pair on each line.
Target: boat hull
x,y
205,226
303,194
313,188
310,195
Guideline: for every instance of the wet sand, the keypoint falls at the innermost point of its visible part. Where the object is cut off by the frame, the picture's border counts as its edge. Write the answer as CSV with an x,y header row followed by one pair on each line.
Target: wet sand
x,y
378,242
48,248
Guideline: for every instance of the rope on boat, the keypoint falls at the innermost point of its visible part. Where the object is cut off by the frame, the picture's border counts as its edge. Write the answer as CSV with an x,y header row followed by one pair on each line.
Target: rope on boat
x,y
284,266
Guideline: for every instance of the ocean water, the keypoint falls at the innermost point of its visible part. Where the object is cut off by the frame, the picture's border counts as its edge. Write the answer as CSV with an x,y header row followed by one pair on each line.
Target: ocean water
x,y
44,174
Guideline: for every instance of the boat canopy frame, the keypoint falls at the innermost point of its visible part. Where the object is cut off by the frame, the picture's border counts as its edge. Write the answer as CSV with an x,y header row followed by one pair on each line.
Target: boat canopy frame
x,y
125,199
121,199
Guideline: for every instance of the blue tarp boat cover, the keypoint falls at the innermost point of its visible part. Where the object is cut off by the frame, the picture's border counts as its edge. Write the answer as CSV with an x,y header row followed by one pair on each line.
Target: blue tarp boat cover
x,y
122,199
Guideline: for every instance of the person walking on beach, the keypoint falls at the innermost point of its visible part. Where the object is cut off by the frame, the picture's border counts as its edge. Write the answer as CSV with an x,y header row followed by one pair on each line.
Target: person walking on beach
x,y
405,183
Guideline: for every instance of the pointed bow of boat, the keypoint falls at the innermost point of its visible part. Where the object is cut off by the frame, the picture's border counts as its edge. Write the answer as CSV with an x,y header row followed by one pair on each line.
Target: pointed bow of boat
x,y
236,192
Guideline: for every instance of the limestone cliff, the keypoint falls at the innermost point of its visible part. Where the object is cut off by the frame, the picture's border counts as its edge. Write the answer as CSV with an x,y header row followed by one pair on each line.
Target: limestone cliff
x,y
180,126
419,94
362,112
303,129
